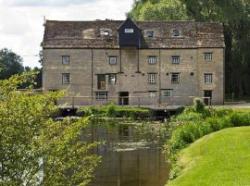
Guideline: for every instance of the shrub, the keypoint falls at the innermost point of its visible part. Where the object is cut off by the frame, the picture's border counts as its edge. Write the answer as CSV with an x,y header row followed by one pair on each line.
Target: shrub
x,y
198,105
112,110
221,112
240,119
191,125
189,116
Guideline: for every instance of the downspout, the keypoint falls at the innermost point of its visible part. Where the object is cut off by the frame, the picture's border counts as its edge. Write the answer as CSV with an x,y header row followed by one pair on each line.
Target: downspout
x,y
159,100
224,73
92,76
138,60
120,57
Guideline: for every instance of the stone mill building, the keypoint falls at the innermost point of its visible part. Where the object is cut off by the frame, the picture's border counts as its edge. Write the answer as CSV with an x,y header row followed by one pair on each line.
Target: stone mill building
x,y
149,63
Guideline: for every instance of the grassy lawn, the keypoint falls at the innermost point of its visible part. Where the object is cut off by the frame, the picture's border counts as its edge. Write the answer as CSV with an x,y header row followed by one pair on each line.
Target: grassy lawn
x,y
219,159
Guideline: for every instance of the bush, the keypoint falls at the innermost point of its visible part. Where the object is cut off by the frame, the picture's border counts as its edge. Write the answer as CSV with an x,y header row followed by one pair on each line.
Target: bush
x,y
191,125
198,105
221,112
112,110
240,119
189,116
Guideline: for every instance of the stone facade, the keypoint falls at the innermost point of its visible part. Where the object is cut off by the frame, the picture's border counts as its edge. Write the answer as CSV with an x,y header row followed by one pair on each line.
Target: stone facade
x,y
176,76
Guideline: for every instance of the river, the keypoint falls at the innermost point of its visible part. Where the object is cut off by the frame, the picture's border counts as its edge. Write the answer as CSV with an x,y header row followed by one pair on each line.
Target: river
x,y
131,154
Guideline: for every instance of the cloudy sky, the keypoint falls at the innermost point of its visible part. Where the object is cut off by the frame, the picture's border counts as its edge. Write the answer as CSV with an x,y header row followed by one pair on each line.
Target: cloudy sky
x,y
21,21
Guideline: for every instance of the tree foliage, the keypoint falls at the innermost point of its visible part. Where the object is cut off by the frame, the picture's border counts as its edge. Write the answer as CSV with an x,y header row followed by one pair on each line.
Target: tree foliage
x,y
10,64
34,149
235,16
158,10
37,80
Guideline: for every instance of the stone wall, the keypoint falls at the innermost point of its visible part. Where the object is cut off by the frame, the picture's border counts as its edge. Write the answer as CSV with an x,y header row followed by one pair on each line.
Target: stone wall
x,y
132,70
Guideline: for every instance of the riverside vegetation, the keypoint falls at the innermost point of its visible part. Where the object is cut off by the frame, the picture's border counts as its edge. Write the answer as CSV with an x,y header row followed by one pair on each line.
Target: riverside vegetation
x,y
40,155
113,111
34,149
194,123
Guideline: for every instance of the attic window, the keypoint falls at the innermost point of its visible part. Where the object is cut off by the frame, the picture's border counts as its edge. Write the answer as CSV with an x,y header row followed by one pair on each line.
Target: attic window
x,y
105,32
129,30
176,33
150,33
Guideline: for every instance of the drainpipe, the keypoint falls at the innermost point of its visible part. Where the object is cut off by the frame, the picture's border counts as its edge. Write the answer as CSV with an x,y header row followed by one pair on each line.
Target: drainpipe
x,y
159,100
92,76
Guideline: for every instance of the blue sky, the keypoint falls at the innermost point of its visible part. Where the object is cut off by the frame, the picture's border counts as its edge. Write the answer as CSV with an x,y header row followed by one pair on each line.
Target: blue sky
x,y
21,21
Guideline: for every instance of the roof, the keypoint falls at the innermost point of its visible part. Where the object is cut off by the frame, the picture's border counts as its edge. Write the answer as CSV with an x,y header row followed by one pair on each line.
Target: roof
x,y
86,34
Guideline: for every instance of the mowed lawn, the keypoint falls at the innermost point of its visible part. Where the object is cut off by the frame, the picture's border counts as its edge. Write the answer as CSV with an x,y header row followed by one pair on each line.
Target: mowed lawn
x,y
218,159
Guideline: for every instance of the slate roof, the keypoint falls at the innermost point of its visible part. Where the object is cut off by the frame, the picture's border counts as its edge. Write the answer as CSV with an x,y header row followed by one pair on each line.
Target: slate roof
x,y
86,34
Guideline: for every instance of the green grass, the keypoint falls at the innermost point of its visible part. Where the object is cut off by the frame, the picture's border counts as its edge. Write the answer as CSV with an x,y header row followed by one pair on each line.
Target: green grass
x,y
219,159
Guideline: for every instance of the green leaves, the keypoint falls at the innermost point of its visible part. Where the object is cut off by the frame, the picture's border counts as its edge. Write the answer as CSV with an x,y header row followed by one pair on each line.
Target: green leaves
x,y
33,147
10,64
159,10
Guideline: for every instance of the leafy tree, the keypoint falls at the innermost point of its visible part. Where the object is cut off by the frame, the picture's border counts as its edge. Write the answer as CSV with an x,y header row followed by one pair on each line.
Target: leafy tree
x,y
158,10
34,149
10,64
38,79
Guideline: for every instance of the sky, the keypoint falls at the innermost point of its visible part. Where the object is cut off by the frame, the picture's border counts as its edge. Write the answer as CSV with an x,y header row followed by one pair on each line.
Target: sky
x,y
21,21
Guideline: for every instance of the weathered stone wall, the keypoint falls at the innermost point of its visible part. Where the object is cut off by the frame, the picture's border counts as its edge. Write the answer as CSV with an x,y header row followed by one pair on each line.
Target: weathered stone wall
x,y
132,70
216,67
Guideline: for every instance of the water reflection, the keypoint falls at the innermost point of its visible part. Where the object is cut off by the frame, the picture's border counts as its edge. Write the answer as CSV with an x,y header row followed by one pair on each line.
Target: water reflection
x,y
130,156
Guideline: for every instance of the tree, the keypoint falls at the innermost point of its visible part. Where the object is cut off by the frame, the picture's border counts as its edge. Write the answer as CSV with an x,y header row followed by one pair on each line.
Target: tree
x,y
38,79
34,149
10,64
234,15
158,10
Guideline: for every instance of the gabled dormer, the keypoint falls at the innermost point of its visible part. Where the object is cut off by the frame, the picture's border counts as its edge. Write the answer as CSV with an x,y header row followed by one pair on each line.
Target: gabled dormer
x,y
129,34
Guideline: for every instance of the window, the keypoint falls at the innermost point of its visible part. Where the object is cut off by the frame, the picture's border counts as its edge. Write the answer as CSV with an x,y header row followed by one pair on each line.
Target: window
x,y
167,93
152,78
175,78
208,78
152,60
176,59
176,33
101,82
129,30
152,94
150,33
101,95
112,60
65,78
208,56
65,60
112,79
105,32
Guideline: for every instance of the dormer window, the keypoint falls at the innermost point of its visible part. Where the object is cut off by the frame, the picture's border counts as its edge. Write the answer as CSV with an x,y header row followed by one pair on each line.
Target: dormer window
x,y
150,33
129,30
105,32
176,33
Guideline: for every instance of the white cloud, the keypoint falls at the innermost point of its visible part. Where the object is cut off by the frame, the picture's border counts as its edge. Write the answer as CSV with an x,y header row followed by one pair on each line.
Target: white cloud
x,y
46,2
21,27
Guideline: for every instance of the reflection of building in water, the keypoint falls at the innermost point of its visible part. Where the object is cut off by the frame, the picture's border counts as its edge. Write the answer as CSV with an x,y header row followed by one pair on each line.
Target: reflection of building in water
x,y
138,167
144,167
